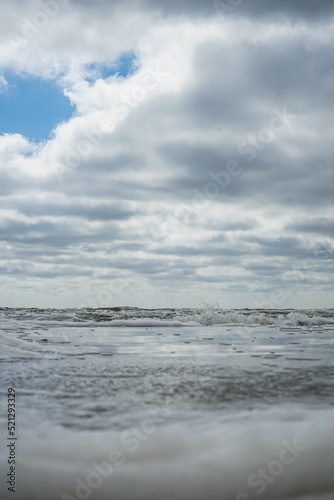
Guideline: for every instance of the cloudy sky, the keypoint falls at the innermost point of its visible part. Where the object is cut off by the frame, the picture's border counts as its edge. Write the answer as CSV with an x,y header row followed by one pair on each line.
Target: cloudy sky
x,y
163,153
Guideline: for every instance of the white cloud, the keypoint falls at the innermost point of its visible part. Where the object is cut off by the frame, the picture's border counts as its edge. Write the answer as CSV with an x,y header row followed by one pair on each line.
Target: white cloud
x,y
3,84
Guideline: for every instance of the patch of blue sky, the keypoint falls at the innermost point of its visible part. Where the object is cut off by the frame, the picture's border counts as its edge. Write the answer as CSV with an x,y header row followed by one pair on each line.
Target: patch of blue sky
x,y
32,106
123,67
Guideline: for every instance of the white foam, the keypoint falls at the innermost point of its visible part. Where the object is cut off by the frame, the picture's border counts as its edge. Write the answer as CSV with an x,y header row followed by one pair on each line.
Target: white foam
x,y
213,317
129,323
214,461
14,348
150,323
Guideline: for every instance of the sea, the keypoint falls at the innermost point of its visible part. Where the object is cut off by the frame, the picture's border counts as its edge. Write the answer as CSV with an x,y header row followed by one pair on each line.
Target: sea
x,y
166,404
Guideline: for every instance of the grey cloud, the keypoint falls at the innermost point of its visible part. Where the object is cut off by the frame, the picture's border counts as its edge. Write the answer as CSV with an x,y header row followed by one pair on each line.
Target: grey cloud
x,y
222,227
89,211
298,9
27,270
321,226
283,246
53,234
265,269
240,92
184,251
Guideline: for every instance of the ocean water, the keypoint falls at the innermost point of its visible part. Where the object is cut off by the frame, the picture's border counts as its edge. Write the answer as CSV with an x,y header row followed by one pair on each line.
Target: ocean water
x,y
157,404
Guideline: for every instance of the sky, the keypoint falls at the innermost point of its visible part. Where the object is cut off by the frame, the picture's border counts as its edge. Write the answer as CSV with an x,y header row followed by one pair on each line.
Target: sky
x,y
166,154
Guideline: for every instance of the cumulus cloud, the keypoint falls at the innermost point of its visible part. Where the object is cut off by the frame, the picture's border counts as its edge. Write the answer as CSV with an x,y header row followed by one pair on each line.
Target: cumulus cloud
x,y
206,172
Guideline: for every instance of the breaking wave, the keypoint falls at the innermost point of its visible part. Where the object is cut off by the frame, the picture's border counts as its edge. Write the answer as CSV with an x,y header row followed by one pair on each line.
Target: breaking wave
x,y
136,317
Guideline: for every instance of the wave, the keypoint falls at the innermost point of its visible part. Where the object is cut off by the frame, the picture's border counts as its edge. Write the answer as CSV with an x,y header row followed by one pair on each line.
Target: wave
x,y
13,348
136,317
263,318
277,453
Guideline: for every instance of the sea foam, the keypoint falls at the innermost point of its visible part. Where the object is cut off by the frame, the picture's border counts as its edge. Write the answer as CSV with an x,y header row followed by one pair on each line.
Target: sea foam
x,y
281,454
